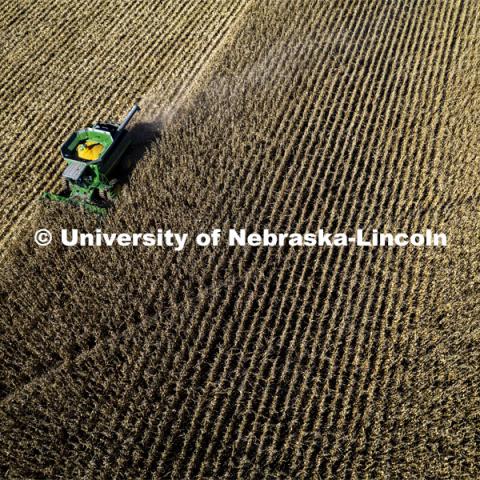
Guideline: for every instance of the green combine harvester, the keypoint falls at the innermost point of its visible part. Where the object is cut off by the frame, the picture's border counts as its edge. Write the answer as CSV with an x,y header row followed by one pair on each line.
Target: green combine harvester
x,y
92,155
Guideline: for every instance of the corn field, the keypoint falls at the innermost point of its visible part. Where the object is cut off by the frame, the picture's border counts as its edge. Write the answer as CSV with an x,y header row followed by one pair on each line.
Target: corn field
x,y
244,362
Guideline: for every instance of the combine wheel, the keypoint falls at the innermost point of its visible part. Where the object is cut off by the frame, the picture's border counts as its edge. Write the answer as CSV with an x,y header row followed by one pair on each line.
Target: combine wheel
x,y
103,194
113,191
65,186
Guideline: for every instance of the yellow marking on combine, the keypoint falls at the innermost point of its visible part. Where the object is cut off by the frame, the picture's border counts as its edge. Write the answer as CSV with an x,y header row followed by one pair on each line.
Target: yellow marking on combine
x,y
89,150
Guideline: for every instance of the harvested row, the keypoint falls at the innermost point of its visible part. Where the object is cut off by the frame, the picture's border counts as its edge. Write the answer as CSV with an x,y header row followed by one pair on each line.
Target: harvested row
x,y
272,363
119,62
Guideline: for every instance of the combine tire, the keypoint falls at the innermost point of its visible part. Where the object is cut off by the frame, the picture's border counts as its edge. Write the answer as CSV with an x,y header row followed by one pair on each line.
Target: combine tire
x,y
103,195
65,187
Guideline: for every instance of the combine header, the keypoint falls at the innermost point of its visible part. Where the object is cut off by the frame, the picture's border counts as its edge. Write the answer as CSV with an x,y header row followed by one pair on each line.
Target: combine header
x,y
92,155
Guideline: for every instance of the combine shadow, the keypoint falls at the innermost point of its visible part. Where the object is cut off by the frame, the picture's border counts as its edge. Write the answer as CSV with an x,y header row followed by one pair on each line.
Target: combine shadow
x,y
143,135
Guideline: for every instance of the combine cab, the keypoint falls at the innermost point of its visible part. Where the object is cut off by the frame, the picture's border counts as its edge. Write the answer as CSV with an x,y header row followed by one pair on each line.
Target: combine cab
x,y
92,155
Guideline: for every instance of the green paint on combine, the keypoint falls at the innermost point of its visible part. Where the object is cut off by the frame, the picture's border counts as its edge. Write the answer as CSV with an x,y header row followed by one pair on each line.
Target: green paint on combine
x,y
91,155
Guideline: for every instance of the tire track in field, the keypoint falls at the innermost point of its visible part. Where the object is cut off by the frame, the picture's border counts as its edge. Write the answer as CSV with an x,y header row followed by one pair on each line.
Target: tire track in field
x,y
182,96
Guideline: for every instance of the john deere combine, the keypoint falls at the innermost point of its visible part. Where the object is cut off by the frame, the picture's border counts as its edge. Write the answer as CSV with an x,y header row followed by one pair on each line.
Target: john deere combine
x,y
92,155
